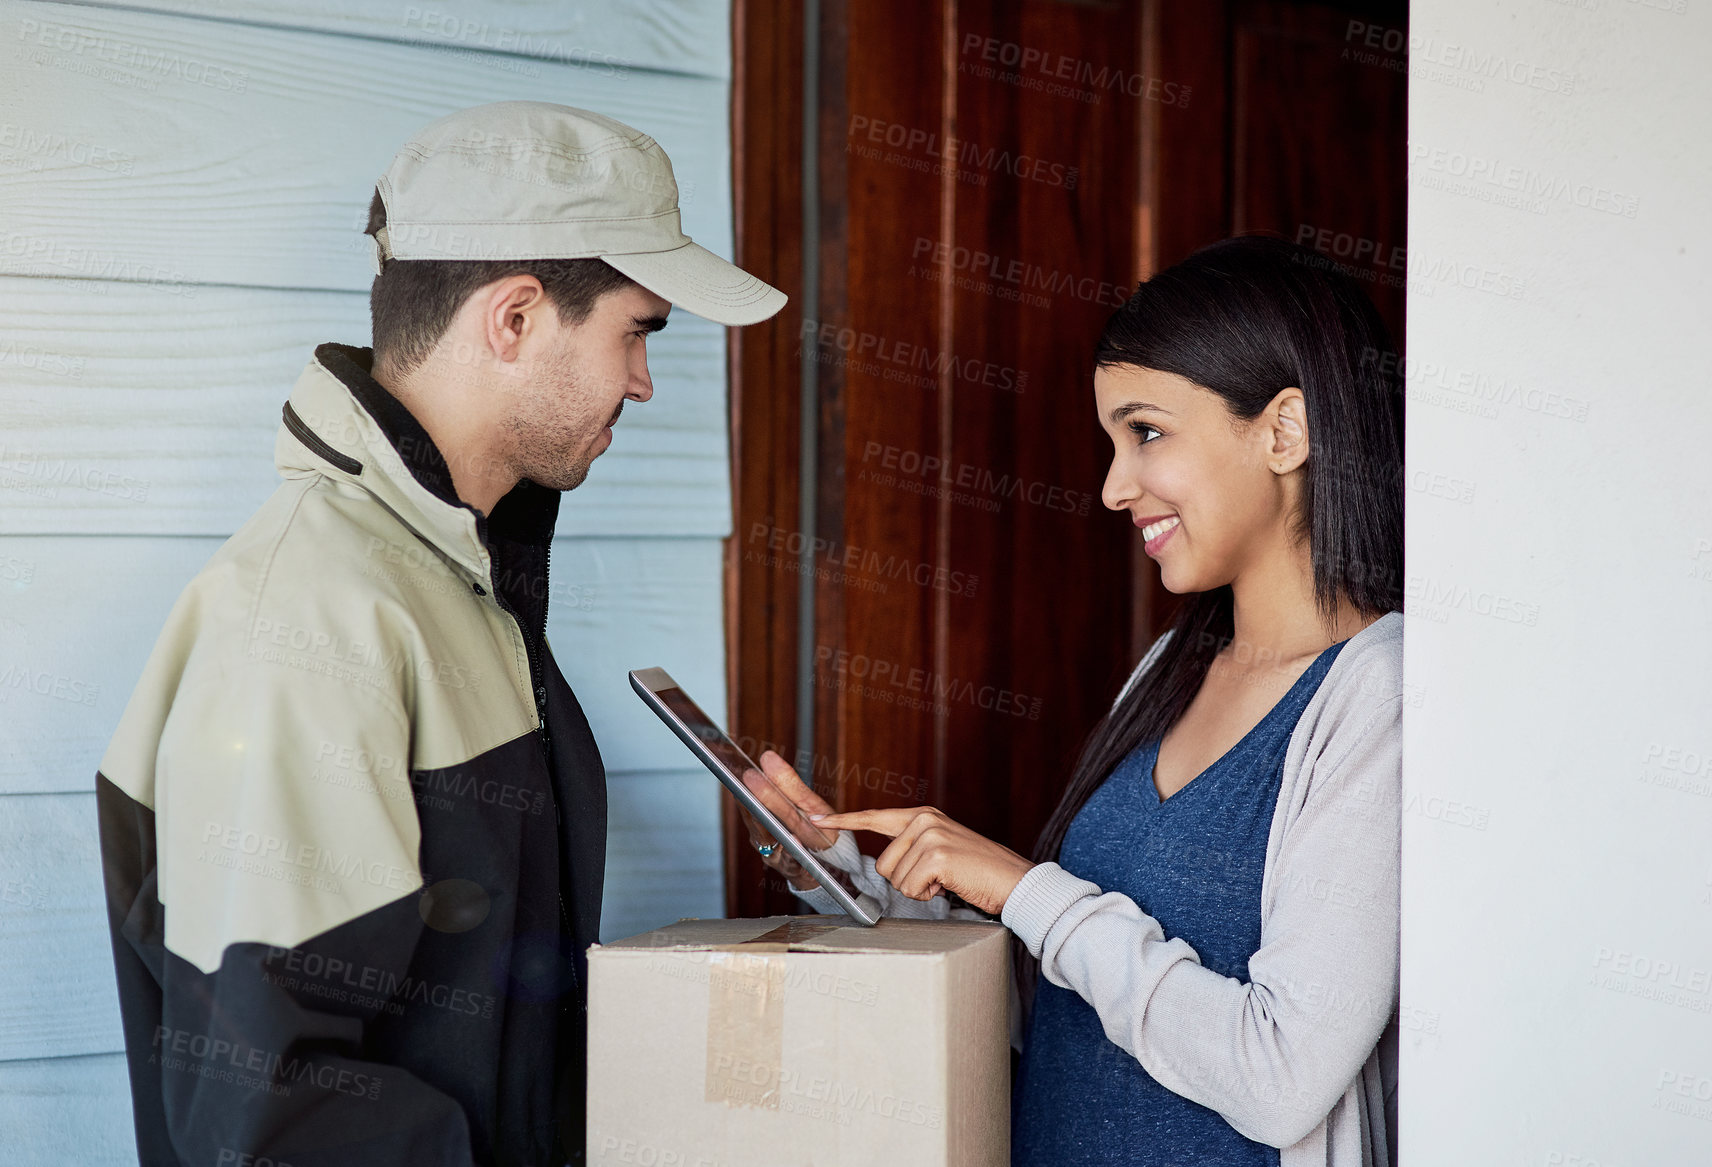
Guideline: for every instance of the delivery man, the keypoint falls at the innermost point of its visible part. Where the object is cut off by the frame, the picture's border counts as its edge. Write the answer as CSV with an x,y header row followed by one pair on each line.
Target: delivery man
x,y
353,821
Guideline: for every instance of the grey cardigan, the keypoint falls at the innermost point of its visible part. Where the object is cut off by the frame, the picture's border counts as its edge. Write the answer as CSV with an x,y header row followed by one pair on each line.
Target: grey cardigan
x,y
1303,1056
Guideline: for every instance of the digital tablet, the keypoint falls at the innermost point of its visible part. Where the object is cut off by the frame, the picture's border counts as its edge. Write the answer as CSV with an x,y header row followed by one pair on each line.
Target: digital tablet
x,y
748,783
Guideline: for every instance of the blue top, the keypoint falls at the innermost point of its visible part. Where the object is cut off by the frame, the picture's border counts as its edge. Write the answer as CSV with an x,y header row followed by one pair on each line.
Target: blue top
x,y
1192,861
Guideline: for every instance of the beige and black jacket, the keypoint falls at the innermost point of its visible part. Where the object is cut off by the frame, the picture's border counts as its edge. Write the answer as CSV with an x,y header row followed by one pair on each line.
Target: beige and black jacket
x,y
353,821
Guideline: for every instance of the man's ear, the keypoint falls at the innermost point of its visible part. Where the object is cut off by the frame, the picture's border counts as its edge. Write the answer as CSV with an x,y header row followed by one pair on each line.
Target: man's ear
x,y
511,313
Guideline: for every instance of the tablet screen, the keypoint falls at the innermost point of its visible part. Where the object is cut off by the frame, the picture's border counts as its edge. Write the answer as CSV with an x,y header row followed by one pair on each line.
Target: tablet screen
x,y
740,764
771,808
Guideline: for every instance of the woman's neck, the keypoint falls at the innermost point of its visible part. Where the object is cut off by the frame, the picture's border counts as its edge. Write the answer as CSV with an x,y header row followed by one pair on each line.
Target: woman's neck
x,y
1276,618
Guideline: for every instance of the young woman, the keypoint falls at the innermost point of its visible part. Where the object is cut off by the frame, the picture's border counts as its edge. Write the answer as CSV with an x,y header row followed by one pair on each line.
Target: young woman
x,y
1214,903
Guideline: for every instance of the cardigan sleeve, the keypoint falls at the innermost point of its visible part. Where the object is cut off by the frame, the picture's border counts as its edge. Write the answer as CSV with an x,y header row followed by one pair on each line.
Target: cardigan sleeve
x,y
846,857
1274,1054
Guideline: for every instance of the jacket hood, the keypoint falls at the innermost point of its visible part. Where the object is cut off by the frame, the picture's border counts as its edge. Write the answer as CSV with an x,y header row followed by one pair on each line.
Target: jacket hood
x,y
340,422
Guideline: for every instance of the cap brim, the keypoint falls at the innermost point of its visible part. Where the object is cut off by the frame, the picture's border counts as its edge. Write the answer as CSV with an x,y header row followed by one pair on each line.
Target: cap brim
x,y
698,281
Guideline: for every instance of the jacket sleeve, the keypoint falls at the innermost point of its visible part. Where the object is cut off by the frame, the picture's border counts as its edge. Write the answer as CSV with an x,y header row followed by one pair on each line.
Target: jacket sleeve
x,y
263,869
1274,1054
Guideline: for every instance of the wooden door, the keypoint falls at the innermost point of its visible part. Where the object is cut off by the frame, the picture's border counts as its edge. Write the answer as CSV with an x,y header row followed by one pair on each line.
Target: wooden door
x,y
989,181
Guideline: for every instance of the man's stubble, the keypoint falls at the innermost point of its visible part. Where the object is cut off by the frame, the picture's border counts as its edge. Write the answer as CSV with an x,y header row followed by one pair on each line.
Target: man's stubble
x,y
555,423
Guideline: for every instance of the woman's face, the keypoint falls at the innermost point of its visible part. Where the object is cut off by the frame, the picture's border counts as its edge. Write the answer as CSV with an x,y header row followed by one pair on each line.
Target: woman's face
x,y
1213,495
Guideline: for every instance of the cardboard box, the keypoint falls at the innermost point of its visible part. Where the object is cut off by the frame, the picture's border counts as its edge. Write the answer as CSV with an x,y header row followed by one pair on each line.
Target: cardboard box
x,y
794,1041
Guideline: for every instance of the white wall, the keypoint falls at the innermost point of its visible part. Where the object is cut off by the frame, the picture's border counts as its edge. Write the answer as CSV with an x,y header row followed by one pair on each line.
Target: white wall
x,y
1557,927
182,189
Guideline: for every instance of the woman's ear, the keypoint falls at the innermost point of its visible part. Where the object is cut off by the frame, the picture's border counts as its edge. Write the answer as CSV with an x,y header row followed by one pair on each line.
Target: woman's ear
x,y
1286,430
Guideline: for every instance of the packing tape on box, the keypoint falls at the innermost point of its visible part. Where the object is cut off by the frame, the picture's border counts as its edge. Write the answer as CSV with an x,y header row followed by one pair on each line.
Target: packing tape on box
x,y
746,1016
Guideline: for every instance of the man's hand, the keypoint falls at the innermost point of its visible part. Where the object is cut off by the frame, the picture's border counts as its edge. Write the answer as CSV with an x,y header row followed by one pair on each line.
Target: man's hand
x,y
930,853
802,802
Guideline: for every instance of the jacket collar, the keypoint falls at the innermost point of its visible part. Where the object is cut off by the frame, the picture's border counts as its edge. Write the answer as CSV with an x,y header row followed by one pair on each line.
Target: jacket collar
x,y
339,421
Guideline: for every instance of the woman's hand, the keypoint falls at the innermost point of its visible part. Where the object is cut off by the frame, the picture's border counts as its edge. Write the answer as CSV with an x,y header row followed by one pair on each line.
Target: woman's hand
x,y
930,853
803,802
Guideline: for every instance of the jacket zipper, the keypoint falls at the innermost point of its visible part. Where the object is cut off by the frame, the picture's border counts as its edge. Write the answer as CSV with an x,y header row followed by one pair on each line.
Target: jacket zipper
x,y
538,680
313,440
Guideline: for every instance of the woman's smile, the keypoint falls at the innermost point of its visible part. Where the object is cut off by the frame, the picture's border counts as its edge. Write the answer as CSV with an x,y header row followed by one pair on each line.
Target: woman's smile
x,y
1155,533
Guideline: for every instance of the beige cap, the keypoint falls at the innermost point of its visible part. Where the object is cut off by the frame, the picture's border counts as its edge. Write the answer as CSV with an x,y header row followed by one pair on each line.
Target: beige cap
x,y
533,180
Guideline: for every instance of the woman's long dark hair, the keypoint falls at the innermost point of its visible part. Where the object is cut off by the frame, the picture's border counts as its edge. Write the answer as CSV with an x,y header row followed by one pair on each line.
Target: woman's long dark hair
x,y
1244,318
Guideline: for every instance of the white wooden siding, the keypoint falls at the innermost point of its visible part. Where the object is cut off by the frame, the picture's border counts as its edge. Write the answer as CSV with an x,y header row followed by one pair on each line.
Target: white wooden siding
x,y
671,36
55,1112
182,189
156,413
262,177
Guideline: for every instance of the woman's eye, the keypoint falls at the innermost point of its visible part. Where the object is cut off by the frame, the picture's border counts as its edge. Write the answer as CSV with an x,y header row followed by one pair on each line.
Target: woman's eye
x,y
1141,429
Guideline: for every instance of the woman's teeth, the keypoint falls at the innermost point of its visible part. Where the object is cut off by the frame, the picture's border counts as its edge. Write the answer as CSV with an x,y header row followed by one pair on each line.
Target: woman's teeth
x,y
1153,530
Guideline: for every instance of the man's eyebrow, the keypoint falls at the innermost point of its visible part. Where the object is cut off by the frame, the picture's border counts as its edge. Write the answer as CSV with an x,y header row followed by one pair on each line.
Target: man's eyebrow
x,y
1130,407
651,323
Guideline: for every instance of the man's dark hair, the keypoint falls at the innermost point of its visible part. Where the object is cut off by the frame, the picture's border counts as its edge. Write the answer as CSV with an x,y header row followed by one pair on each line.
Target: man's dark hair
x,y
412,301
